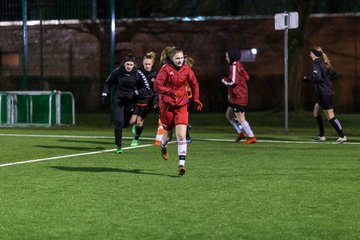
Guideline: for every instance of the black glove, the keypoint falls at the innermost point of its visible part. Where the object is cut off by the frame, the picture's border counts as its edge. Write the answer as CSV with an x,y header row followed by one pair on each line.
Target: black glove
x,y
103,100
138,92
306,79
131,95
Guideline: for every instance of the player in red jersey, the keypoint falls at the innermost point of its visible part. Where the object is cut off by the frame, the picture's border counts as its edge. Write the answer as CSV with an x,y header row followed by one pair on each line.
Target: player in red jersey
x,y
237,95
173,102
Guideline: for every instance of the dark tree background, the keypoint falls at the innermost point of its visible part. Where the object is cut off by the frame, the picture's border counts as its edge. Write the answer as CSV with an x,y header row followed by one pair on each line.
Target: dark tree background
x,y
297,51
192,8
10,10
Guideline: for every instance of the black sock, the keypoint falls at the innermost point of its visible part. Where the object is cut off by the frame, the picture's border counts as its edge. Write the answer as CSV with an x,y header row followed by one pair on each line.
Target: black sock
x,y
138,131
320,123
118,136
337,125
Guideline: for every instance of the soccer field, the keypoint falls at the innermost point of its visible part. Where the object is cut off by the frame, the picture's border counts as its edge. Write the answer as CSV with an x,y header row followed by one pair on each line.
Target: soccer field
x,y
67,183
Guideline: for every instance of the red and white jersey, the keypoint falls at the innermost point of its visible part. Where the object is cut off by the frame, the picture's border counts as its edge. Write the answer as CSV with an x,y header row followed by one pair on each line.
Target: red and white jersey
x,y
236,83
170,80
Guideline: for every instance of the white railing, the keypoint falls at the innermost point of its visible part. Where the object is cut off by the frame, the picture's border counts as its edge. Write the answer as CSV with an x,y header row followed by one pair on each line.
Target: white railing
x,y
28,108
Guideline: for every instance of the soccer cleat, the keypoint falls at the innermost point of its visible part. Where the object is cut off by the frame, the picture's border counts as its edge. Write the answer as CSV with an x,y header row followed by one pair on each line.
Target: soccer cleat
x,y
119,150
134,143
240,136
181,170
188,140
341,140
319,139
250,140
164,152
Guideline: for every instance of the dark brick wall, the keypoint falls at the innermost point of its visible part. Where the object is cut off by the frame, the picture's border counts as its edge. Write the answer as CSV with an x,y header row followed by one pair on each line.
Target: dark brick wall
x,y
76,57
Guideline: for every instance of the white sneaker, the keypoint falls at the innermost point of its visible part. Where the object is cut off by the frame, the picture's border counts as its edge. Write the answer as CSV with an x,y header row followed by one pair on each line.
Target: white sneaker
x,y
341,140
319,139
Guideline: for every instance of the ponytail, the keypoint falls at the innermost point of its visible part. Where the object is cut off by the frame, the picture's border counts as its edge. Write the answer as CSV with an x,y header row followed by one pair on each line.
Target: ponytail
x,y
333,75
324,56
327,61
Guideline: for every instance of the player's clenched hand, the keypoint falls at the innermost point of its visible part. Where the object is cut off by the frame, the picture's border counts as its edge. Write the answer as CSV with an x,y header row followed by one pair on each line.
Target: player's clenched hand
x,y
199,104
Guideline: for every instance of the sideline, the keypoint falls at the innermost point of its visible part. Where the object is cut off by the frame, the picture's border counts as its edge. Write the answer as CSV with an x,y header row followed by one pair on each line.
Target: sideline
x,y
63,136
70,156
281,141
141,146
151,138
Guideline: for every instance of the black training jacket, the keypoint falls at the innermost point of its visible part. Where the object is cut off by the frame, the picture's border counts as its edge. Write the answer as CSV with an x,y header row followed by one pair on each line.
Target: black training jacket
x,y
147,96
128,85
321,79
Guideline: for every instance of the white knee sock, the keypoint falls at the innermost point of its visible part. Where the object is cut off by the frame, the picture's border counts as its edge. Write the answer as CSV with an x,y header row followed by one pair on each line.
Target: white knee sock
x,y
245,125
235,123
182,149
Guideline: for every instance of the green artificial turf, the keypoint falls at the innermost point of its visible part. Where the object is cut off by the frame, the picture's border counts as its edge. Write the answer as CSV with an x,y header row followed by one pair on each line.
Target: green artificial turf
x,y
282,187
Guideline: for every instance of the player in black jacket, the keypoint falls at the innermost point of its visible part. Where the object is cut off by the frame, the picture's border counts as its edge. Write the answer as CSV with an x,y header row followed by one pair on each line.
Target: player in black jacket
x,y
324,93
128,84
146,100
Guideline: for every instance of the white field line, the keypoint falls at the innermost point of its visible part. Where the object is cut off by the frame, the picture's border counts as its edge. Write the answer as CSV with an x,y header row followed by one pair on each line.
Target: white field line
x,y
147,138
280,141
63,136
69,156
141,146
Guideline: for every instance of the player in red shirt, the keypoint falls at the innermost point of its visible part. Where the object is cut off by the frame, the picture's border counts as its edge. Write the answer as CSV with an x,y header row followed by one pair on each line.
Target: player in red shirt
x,y
237,96
173,102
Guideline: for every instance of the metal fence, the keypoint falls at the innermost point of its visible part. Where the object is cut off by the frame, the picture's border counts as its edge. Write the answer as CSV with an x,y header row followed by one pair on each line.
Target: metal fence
x,y
11,10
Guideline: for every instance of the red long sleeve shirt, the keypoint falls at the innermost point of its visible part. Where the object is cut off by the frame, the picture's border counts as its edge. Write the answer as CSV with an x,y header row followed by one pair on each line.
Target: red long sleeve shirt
x,y
236,84
170,80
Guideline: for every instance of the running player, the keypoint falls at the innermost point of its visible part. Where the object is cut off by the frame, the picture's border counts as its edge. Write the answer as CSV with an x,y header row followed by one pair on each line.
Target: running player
x,y
237,95
145,101
173,102
128,85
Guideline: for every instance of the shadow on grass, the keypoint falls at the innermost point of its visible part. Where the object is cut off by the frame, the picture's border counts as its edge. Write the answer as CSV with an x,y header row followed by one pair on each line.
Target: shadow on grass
x,y
91,142
105,143
106,169
70,148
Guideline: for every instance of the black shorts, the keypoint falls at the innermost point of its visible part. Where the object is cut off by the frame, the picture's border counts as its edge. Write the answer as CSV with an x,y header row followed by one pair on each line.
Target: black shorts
x,y
142,110
237,108
325,102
